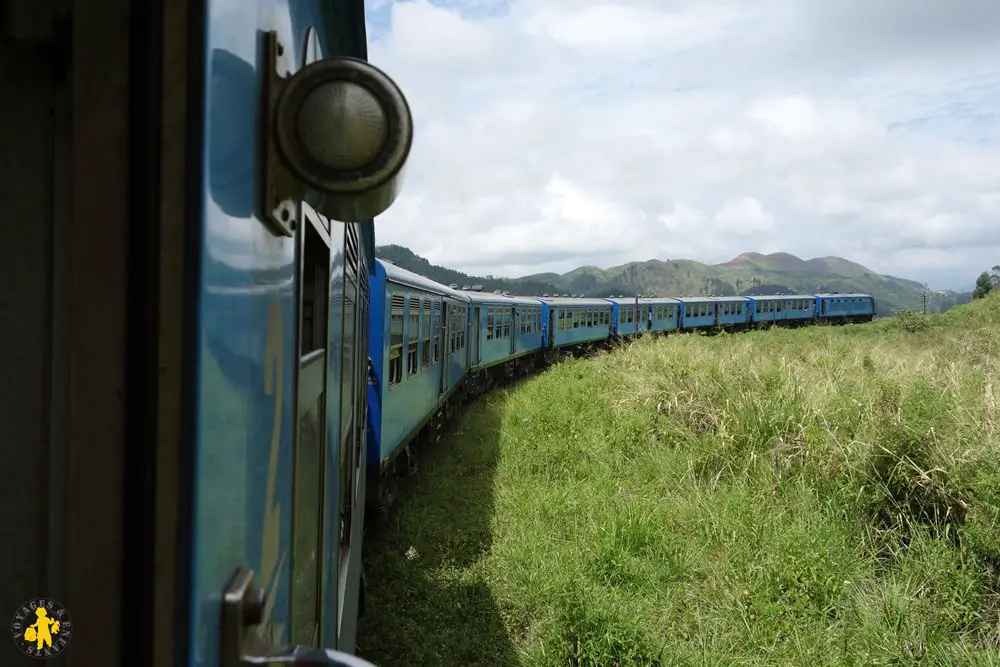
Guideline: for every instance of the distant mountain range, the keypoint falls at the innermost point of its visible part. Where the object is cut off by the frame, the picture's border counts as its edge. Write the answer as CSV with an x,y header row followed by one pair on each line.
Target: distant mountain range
x,y
748,274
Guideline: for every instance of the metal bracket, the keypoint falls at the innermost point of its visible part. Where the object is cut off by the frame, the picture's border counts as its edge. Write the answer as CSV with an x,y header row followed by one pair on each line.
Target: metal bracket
x,y
279,188
239,646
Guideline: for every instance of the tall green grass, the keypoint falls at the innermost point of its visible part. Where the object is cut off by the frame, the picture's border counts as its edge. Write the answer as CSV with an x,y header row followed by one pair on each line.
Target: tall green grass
x,y
822,496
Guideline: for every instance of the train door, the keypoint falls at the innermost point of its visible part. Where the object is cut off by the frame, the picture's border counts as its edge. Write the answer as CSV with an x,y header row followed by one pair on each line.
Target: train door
x,y
476,332
310,428
447,314
515,318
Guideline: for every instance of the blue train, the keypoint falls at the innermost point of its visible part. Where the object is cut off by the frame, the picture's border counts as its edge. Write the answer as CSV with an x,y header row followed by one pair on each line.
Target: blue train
x,y
433,347
208,376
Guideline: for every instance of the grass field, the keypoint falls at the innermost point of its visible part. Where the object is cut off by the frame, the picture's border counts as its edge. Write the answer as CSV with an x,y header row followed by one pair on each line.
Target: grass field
x,y
822,496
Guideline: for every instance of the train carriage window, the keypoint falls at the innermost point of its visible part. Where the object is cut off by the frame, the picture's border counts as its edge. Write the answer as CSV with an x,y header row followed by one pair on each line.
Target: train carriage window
x,y
621,315
498,322
489,323
436,330
576,318
562,321
778,305
396,340
425,331
412,335
506,322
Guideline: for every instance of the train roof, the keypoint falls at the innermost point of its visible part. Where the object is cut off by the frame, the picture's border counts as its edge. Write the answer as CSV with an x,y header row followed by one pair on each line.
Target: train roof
x,y
713,299
625,300
400,275
490,297
782,297
578,301
851,295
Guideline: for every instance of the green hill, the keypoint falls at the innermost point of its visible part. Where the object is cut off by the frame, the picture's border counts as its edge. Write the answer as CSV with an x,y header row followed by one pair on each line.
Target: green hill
x,y
749,273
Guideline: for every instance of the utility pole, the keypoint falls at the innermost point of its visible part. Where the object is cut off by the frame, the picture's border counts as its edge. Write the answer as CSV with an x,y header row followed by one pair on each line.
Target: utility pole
x,y
923,295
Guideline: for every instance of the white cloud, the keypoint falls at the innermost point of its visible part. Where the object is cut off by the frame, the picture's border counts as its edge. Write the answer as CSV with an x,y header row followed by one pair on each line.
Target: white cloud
x,y
555,133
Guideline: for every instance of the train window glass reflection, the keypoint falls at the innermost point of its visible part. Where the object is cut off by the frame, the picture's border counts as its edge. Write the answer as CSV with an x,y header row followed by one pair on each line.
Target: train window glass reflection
x,y
396,340
412,335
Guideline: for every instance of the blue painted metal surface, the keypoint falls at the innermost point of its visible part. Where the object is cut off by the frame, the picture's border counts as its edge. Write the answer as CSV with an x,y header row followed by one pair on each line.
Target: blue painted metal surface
x,y
703,312
783,308
832,306
502,328
411,348
247,365
573,321
663,313
627,316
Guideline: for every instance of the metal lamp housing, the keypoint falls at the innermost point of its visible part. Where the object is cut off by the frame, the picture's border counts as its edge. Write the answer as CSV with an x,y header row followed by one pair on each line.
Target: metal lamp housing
x,y
340,132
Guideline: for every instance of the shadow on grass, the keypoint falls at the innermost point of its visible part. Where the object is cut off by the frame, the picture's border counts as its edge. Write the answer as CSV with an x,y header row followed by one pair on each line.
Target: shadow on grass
x,y
427,601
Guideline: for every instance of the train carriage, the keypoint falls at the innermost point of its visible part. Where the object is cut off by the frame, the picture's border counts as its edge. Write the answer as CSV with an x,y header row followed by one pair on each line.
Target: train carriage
x,y
794,309
418,353
845,307
502,328
711,312
569,321
663,313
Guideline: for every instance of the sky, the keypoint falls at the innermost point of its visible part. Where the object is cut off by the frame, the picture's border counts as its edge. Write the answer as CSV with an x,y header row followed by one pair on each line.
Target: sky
x,y
551,134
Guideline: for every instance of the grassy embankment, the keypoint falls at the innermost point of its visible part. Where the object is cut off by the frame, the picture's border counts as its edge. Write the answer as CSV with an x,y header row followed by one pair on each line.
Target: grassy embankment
x,y
822,496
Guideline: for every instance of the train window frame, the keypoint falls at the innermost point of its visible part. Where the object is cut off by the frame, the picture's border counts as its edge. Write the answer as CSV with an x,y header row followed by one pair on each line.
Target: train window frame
x,y
425,331
436,330
396,349
412,335
489,322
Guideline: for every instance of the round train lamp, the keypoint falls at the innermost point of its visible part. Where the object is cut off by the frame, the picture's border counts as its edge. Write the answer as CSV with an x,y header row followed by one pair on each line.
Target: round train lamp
x,y
344,130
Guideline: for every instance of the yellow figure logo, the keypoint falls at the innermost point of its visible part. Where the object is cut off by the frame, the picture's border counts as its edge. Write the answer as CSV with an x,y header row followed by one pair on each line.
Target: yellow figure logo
x,y
40,632
42,628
